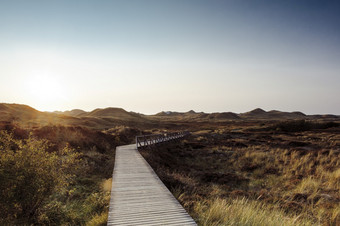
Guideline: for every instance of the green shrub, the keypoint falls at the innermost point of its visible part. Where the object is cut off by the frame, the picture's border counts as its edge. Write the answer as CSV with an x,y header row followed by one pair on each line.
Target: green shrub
x,y
29,175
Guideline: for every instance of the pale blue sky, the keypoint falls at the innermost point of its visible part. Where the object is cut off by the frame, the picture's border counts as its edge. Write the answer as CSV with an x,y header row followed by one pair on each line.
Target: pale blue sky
x,y
149,56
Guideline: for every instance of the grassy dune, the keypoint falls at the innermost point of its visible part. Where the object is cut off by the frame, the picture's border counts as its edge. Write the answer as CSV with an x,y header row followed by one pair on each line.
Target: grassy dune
x,y
56,170
57,174
254,177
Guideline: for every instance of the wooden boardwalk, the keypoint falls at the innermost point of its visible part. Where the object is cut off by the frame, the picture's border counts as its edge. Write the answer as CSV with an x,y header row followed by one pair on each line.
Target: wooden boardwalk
x,y
138,196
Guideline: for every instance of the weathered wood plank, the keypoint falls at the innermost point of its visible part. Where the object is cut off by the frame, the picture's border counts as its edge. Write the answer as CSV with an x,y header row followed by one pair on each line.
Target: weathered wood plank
x,y
138,196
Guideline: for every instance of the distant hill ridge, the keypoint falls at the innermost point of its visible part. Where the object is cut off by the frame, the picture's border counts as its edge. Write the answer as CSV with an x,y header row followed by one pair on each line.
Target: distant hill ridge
x,y
17,107
259,113
17,111
25,113
102,112
74,112
174,113
224,115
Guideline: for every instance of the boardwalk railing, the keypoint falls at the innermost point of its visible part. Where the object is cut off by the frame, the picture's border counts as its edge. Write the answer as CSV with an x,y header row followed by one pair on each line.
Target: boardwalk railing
x,y
146,140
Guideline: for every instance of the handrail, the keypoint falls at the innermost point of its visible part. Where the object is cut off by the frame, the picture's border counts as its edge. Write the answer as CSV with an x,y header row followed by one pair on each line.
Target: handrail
x,y
145,140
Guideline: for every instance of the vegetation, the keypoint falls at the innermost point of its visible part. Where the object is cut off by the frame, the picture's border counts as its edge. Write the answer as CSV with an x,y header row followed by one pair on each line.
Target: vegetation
x,y
302,125
30,175
240,169
56,174
254,178
244,212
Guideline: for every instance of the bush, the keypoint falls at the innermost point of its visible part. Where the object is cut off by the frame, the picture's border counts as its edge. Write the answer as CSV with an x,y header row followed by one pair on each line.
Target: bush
x,y
29,175
302,125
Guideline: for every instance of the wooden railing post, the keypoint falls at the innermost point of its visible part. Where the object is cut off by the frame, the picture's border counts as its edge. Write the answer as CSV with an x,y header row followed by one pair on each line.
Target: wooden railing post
x,y
146,140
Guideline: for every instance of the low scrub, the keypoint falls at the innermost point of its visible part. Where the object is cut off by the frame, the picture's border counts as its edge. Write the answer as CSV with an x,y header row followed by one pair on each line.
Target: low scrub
x,y
55,175
29,175
267,181
244,212
302,125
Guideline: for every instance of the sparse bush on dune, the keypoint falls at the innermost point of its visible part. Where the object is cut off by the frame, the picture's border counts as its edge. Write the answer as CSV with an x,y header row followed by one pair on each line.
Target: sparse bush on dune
x,y
77,137
15,130
123,134
97,147
302,125
54,175
269,180
29,175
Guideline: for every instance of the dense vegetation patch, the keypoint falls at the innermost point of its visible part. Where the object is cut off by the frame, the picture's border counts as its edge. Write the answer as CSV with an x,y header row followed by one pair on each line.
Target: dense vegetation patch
x,y
302,125
29,175
56,174
254,178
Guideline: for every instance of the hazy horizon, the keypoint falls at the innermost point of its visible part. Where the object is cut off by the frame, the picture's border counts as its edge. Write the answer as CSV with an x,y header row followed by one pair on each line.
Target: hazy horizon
x,y
174,110
152,56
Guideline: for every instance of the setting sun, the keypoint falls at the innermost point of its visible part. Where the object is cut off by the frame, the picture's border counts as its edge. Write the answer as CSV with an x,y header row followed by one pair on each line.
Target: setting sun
x,y
46,91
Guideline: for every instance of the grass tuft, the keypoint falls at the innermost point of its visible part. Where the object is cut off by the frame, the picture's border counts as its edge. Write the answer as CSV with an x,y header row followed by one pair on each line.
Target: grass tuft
x,y
98,220
244,212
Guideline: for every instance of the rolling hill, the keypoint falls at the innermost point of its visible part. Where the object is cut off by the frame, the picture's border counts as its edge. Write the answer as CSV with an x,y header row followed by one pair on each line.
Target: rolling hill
x,y
74,112
259,113
114,113
109,117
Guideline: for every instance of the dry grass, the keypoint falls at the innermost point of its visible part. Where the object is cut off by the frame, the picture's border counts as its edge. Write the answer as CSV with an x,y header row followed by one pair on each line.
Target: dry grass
x,y
98,220
107,184
223,177
86,198
244,212
228,173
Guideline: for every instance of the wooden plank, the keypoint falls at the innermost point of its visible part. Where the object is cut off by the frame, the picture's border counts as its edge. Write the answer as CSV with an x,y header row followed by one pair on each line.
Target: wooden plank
x,y
138,196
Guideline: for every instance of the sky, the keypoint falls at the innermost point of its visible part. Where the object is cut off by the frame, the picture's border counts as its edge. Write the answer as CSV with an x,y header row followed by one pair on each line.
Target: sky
x,y
171,55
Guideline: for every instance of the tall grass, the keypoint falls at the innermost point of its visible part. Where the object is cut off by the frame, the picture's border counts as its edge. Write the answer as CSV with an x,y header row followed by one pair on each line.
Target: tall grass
x,y
254,184
98,220
244,212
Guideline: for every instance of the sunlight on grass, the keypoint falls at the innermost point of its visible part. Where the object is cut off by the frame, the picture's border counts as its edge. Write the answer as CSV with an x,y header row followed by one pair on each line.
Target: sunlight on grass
x,y
244,212
309,185
106,185
98,220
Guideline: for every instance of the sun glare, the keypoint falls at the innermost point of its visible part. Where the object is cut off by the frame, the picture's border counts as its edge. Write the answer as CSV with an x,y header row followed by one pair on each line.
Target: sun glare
x,y
46,92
